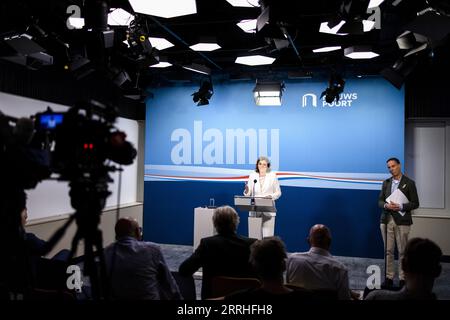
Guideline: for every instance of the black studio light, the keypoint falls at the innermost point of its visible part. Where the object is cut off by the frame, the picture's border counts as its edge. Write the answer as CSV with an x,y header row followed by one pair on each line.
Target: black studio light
x,y
335,87
202,96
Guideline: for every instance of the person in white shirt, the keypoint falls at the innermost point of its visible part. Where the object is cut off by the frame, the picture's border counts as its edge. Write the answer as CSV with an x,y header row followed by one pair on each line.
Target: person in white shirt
x,y
317,269
263,183
396,219
137,269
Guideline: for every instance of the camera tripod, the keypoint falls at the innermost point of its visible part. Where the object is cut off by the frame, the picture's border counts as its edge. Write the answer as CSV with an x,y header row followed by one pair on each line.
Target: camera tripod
x,y
88,198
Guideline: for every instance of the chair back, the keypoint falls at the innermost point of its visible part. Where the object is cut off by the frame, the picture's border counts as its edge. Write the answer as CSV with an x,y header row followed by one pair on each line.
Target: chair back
x,y
222,286
316,294
186,286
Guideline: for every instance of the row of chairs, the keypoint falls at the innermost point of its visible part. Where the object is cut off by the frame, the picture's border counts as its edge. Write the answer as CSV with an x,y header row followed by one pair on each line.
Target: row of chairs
x,y
223,286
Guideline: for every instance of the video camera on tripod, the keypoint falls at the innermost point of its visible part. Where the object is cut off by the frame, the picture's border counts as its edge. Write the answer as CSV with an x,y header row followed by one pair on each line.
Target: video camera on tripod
x,y
81,140
77,146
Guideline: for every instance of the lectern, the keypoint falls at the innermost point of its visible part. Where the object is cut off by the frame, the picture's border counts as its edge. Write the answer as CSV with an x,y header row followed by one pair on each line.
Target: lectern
x,y
255,205
203,224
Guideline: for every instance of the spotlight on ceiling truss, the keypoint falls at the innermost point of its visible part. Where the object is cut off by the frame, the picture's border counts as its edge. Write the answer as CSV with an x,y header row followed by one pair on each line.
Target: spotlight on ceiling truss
x,y
335,87
399,71
202,96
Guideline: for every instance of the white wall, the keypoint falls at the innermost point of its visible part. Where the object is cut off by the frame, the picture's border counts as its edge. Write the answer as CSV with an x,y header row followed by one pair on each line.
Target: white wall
x,y
427,159
45,228
50,198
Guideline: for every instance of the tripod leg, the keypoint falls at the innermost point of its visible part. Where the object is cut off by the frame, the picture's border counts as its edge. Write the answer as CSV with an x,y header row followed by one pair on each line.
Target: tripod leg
x,y
91,269
105,284
74,246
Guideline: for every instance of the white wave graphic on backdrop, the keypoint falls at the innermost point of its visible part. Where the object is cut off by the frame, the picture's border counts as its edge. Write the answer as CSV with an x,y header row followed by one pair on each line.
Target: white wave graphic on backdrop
x,y
334,180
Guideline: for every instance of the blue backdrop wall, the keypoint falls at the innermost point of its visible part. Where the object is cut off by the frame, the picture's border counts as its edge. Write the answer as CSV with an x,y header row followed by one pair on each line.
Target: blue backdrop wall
x,y
330,158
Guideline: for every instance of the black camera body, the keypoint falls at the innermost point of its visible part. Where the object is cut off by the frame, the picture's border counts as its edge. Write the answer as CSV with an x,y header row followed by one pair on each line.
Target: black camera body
x,y
81,141
73,144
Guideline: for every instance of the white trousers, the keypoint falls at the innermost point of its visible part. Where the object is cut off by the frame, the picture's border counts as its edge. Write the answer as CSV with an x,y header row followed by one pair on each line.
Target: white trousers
x,y
261,225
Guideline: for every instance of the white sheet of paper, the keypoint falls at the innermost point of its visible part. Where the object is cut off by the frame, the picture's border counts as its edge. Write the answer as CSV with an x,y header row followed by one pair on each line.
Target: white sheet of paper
x,y
398,197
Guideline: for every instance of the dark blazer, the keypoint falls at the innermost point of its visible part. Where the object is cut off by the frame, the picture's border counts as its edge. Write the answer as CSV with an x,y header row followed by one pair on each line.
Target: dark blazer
x,y
219,255
36,246
408,187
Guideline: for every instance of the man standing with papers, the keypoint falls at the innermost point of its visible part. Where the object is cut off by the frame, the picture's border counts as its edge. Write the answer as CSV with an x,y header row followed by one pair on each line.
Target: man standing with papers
x,y
397,198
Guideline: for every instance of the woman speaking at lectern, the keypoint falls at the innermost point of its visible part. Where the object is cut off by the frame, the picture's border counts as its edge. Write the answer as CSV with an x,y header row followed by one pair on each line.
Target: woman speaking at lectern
x,y
263,183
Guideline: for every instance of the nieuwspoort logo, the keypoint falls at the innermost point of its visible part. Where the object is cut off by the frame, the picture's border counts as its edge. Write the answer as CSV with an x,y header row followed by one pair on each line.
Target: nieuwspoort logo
x,y
345,100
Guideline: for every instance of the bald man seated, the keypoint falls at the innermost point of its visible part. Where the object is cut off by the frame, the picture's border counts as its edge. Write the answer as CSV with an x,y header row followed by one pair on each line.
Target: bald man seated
x,y
317,269
137,269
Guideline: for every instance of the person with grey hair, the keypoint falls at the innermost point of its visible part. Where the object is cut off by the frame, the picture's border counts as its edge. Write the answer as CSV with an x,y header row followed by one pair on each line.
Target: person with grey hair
x,y
225,254
263,183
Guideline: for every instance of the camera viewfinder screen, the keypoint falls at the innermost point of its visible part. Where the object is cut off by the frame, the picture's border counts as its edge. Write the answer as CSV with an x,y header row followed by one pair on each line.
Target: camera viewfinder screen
x,y
51,121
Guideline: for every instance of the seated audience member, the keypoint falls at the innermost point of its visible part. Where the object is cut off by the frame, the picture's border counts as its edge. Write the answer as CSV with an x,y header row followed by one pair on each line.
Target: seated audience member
x,y
42,273
225,254
19,265
268,257
137,269
317,269
39,247
421,264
